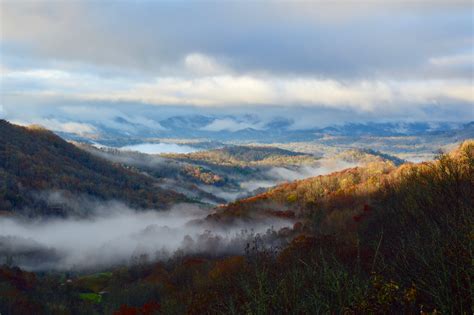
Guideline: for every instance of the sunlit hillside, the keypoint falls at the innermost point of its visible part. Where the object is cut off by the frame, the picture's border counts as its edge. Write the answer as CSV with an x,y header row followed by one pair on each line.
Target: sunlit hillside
x,y
236,157
377,239
247,156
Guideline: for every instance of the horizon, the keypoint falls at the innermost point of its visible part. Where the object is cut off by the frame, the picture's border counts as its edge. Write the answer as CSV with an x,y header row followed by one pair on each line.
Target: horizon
x,y
236,157
72,65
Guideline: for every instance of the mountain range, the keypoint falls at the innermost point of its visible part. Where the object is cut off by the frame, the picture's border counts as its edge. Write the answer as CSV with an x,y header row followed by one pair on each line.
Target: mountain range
x,y
121,130
385,236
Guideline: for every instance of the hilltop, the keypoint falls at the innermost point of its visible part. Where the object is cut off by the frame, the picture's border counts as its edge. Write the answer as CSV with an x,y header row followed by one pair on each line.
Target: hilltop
x,y
247,156
234,171
346,191
35,163
375,239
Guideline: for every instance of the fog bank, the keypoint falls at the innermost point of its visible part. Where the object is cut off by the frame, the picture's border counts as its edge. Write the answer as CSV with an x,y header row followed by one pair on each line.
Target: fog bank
x,y
114,236
159,148
278,175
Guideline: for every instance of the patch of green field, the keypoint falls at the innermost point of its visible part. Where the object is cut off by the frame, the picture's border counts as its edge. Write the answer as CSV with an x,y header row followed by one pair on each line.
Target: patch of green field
x,y
92,297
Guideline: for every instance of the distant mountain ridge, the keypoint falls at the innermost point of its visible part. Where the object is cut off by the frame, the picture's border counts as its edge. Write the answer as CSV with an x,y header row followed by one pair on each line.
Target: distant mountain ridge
x,y
249,128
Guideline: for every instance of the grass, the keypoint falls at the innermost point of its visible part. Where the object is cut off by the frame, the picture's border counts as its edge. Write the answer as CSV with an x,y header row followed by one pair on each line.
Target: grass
x,y
92,297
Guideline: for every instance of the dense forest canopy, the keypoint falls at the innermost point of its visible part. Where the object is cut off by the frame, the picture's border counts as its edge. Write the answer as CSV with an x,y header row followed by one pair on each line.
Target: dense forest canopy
x,y
375,239
35,161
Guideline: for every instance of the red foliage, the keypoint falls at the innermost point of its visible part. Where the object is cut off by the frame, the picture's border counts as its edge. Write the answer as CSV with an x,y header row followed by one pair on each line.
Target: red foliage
x,y
149,308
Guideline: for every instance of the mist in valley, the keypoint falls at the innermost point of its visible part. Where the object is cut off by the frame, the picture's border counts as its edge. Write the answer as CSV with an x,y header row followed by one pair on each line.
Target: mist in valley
x,y
114,234
277,175
159,148
100,234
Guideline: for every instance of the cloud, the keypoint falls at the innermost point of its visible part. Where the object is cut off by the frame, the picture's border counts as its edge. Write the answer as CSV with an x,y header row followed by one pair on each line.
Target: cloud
x,y
278,175
238,90
81,129
267,177
329,56
201,64
158,148
331,38
71,127
464,59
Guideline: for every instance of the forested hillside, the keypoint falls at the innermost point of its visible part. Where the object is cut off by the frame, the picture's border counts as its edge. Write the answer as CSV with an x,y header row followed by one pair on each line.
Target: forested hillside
x,y
235,171
373,240
246,156
35,162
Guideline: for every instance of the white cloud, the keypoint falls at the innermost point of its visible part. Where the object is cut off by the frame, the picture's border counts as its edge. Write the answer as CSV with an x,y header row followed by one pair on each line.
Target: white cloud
x,y
203,65
249,90
456,60
81,129
208,83
159,148
74,127
39,74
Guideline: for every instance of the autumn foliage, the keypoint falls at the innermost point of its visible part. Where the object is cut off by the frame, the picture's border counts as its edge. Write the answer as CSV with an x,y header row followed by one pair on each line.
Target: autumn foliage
x,y
374,240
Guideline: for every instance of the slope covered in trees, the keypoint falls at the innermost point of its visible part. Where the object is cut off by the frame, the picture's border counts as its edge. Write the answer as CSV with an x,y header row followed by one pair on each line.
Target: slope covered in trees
x,y
35,162
374,240
246,156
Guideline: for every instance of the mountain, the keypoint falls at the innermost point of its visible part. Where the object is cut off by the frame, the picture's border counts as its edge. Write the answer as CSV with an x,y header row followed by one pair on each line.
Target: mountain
x,y
210,175
246,156
235,171
195,122
364,156
348,189
37,167
389,128
378,239
123,130
176,175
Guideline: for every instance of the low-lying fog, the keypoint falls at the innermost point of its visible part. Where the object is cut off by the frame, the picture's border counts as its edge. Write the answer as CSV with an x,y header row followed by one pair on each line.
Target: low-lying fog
x,y
115,234
278,175
159,148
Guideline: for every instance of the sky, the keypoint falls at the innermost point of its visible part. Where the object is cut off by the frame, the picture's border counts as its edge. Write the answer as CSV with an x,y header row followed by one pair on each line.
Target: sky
x,y
336,60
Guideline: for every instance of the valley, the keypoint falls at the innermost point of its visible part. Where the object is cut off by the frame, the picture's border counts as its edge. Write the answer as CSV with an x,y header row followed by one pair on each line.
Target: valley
x,y
236,157
104,217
